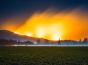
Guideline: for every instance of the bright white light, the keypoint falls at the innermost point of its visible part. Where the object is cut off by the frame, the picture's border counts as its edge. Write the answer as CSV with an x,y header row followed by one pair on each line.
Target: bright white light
x,y
55,38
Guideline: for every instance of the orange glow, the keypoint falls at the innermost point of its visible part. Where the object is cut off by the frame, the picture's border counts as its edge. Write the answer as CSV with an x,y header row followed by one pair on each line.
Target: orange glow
x,y
42,26
28,34
55,26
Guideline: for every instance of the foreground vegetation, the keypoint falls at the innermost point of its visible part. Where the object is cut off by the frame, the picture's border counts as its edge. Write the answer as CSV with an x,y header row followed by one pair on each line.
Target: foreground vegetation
x,y
43,55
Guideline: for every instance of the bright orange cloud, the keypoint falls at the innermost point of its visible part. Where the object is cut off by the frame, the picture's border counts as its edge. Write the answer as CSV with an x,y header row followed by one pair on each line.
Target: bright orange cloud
x,y
52,26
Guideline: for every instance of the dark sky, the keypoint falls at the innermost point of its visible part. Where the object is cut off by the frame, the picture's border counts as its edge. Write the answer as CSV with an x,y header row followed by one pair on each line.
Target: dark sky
x,y
9,8
24,8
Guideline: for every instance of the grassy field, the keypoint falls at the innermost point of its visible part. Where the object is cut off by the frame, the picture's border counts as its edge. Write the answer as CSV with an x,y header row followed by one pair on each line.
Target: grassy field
x,y
43,55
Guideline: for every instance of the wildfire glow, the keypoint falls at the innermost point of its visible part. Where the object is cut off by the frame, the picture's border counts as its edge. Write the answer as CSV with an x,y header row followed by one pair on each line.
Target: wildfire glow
x,y
28,34
54,26
42,25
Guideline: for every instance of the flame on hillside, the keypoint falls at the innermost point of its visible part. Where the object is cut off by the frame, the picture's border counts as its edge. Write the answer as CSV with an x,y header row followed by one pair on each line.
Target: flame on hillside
x,y
54,26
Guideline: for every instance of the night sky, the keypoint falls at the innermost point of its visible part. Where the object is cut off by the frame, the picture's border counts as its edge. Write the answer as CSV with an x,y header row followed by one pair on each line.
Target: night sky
x,y
24,8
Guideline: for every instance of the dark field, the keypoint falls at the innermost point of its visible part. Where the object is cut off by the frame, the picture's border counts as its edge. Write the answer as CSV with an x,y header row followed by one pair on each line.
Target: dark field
x,y
43,55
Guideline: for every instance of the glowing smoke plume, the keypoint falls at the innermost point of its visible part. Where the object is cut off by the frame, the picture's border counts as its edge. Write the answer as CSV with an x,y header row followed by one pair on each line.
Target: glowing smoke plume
x,y
50,25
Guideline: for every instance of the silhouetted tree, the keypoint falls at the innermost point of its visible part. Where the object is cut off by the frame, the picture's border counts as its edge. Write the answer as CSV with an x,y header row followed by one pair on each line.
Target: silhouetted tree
x,y
85,40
